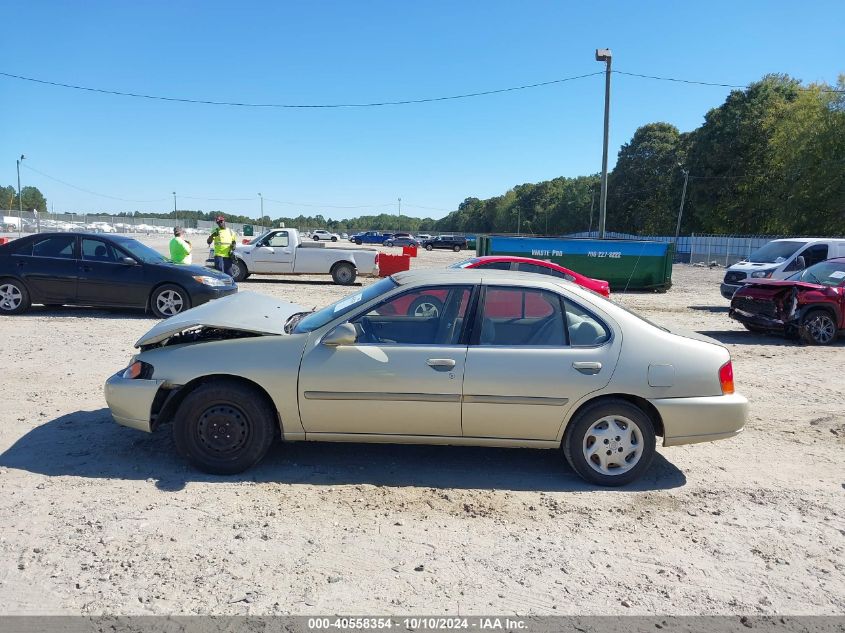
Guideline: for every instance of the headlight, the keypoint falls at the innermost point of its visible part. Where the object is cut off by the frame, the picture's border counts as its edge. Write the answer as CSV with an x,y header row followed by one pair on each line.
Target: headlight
x,y
762,273
138,369
211,281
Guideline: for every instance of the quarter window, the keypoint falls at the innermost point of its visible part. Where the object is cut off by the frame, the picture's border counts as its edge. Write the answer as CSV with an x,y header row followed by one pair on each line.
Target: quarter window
x,y
585,329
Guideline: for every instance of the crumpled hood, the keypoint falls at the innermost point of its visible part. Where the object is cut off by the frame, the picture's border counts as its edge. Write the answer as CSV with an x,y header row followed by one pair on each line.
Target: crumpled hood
x,y
778,284
244,311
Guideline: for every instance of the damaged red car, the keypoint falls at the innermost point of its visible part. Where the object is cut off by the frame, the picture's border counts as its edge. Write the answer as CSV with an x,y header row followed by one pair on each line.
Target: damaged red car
x,y
810,304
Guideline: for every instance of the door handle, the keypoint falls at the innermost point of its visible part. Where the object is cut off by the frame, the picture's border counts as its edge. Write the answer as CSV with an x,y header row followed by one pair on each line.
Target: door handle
x,y
441,363
587,367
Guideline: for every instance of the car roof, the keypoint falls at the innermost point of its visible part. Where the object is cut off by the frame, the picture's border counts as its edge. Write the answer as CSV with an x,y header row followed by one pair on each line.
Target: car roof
x,y
807,240
474,276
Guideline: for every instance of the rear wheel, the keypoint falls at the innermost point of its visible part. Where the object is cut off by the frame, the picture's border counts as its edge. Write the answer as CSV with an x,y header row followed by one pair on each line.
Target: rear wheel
x,y
239,270
224,427
344,274
429,247
14,297
358,242
169,300
456,248
610,443
316,238
334,239
388,243
818,327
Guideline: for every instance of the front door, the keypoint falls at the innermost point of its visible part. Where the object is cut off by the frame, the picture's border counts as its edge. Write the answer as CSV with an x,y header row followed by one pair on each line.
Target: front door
x,y
535,354
104,279
273,254
401,377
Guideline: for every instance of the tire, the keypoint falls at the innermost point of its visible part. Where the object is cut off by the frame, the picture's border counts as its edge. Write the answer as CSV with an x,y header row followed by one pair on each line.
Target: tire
x,y
14,297
426,306
239,270
218,407
334,239
169,300
429,247
358,242
590,428
388,243
344,274
456,248
818,327
316,239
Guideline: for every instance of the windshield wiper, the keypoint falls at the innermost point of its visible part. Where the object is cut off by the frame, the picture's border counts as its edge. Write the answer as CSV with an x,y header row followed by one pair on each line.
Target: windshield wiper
x,y
295,318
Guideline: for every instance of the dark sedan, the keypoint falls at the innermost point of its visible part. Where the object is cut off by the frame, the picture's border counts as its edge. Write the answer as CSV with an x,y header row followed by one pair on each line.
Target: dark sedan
x,y
401,240
57,269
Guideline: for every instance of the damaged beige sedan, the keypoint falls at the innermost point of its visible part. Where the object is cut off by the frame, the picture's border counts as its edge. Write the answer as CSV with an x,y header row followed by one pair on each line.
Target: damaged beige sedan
x,y
466,357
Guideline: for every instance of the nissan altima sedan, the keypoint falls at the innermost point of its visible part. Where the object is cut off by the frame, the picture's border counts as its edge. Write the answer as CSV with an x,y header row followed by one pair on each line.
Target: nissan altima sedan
x,y
513,359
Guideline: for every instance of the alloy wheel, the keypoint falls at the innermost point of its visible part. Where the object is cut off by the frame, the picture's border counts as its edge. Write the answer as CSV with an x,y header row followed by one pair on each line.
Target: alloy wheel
x,y
170,302
10,297
821,328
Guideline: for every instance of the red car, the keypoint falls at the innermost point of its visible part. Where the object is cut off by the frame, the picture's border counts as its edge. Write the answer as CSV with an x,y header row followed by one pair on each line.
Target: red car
x,y
530,265
809,304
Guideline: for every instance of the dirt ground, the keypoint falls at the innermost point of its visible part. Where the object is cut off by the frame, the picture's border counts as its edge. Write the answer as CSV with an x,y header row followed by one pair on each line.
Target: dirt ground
x,y
96,518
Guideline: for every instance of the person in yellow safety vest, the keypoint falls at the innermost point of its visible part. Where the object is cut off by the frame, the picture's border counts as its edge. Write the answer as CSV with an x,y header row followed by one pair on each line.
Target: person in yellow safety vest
x,y
224,245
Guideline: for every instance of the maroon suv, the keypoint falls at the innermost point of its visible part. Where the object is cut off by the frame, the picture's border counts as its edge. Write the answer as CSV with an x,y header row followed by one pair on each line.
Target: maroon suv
x,y
810,304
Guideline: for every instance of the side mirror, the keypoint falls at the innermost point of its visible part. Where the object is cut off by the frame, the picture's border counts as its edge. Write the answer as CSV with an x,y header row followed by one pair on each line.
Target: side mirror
x,y
800,262
128,261
343,334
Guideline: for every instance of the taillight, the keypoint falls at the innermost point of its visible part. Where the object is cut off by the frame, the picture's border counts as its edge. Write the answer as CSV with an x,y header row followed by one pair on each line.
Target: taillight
x,y
726,378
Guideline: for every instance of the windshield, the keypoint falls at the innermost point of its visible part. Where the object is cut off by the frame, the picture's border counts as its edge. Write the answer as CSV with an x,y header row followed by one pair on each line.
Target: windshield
x,y
825,273
339,308
775,252
141,251
465,264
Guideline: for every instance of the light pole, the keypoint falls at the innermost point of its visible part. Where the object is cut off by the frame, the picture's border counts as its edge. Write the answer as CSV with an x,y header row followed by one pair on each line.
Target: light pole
x,y
604,55
260,197
400,214
681,209
20,197
175,214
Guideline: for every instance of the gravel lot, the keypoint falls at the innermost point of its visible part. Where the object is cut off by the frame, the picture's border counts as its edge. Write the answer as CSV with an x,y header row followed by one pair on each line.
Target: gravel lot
x,y
96,518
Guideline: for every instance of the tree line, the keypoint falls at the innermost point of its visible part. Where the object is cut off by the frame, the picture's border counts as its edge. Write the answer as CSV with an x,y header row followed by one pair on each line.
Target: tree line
x,y
769,160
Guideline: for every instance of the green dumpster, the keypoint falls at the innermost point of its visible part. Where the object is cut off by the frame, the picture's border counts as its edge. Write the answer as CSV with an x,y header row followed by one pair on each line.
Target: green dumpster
x,y
624,264
249,231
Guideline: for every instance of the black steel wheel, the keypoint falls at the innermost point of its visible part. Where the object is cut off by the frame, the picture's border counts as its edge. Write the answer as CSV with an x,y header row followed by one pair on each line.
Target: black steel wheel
x,y
224,427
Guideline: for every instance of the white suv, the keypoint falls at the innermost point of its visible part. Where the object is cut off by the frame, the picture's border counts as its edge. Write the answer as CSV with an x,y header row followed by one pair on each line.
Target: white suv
x,y
321,234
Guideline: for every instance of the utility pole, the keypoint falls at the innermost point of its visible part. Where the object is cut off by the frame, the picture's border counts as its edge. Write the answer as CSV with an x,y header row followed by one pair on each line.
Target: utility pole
x,y
400,214
174,208
604,55
681,209
260,197
20,197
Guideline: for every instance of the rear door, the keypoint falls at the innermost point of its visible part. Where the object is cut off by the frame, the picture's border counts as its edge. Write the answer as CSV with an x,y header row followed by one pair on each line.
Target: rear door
x,y
534,354
49,268
104,279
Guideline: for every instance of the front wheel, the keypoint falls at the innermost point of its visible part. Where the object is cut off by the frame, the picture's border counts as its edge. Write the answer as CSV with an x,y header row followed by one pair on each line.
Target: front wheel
x,y
344,274
610,443
239,270
169,300
224,427
14,297
818,327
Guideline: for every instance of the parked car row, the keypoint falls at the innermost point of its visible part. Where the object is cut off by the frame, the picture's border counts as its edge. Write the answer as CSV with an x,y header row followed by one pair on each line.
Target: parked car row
x,y
794,287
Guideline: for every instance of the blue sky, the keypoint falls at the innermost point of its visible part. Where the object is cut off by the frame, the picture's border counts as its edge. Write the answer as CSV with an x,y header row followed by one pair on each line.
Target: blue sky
x,y
432,155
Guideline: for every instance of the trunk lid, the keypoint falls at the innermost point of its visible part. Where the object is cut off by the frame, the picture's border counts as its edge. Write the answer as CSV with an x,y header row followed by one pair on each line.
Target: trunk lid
x,y
242,312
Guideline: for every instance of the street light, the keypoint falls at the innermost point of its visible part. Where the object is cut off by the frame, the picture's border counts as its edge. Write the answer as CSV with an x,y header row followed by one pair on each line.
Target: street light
x,y
176,215
260,197
681,209
20,197
604,55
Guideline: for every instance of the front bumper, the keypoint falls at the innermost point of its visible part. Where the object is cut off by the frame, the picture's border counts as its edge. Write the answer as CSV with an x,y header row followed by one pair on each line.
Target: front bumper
x,y
702,419
728,290
131,400
756,320
203,294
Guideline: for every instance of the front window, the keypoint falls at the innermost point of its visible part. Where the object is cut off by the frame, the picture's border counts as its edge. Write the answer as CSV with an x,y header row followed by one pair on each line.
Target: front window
x,y
278,240
141,251
825,273
423,316
98,251
775,252
347,304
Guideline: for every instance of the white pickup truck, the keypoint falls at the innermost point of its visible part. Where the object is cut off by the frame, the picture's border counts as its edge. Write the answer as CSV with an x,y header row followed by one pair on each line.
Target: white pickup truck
x,y
283,252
